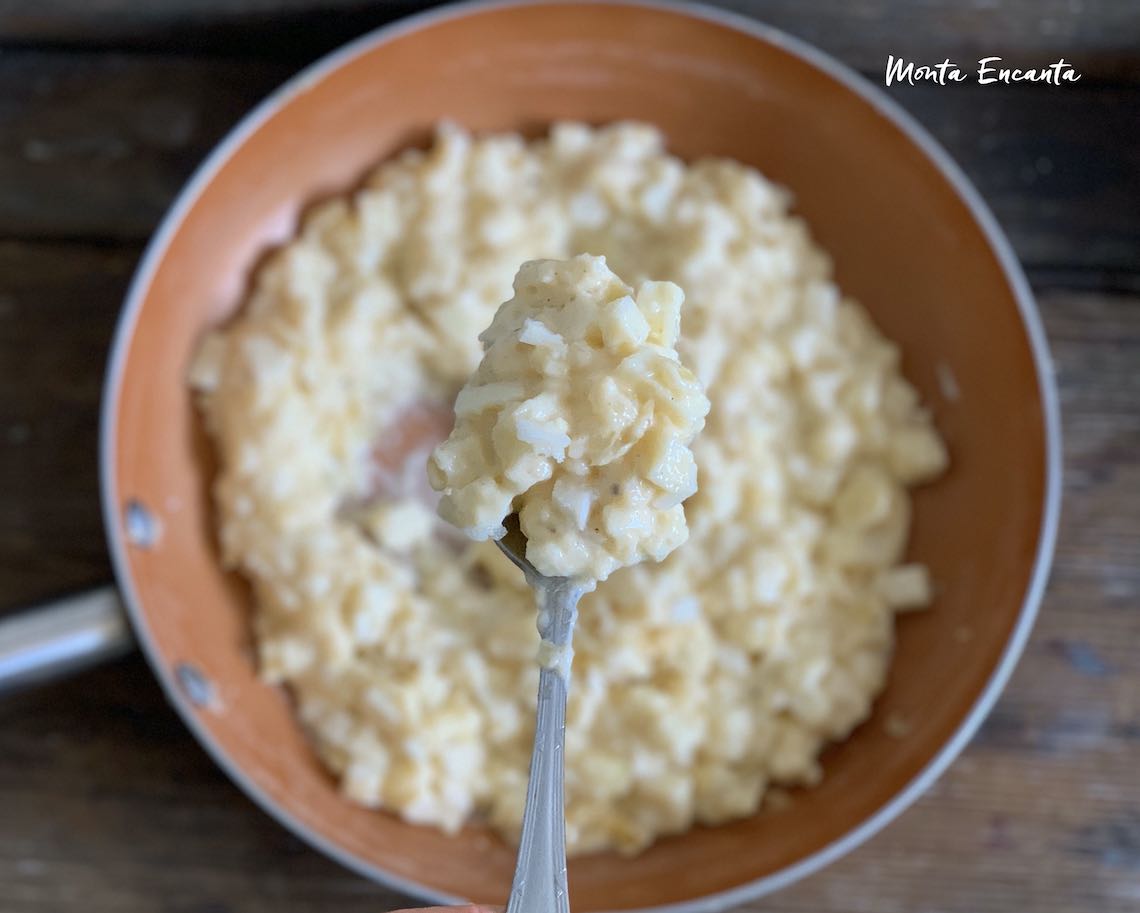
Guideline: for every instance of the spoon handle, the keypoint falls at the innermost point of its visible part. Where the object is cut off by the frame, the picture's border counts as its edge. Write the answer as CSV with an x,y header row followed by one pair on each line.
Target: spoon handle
x,y
540,874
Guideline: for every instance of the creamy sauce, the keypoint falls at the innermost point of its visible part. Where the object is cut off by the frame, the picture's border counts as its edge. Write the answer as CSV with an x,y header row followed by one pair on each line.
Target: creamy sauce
x,y
579,419
700,682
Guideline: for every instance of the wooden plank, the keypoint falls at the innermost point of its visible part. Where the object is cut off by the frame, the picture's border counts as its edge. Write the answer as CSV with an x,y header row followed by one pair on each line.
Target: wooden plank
x,y
58,305
97,146
1059,169
1100,36
109,804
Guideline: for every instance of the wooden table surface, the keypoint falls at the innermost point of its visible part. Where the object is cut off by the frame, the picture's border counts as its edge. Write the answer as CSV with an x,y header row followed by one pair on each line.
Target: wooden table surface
x,y
107,805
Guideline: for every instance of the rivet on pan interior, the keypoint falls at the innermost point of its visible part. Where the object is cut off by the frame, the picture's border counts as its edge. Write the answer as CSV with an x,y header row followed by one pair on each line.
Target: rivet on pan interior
x,y
194,685
142,527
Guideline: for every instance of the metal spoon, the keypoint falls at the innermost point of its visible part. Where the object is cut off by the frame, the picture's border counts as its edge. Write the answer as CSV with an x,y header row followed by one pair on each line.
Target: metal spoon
x,y
539,884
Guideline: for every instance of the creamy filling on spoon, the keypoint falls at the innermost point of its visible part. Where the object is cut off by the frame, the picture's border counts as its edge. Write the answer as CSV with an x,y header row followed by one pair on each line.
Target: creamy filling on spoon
x,y
579,419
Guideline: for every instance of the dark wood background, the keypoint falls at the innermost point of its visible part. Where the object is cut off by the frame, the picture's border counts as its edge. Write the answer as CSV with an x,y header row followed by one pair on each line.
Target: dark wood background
x,y
107,805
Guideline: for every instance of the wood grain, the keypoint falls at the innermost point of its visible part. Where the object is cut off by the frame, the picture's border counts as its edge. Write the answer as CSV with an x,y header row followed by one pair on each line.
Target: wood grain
x,y
1098,36
108,801
58,305
97,146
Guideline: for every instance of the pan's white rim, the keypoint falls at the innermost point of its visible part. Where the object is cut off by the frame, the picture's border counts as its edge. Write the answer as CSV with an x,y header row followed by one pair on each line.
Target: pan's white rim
x,y
887,108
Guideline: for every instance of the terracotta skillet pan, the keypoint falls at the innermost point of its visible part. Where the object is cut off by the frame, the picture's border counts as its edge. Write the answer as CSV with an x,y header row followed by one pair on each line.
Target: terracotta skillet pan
x,y
910,240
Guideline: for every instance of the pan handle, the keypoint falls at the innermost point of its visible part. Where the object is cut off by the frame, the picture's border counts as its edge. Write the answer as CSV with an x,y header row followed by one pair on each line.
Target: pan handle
x,y
61,637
